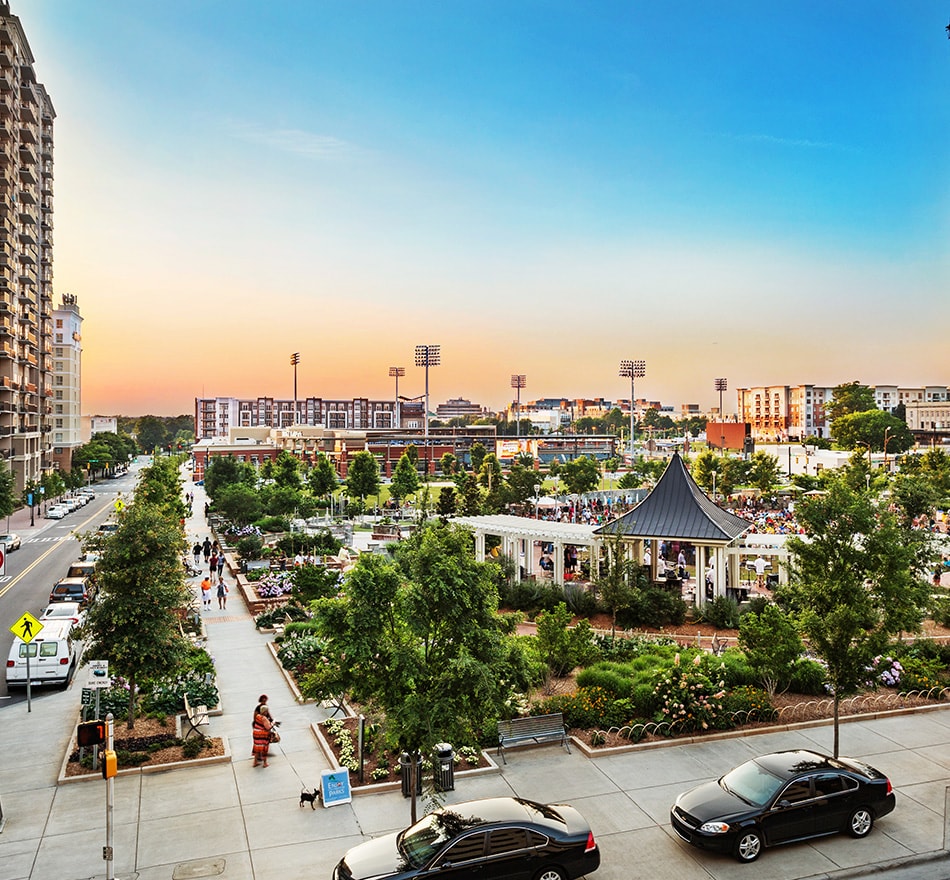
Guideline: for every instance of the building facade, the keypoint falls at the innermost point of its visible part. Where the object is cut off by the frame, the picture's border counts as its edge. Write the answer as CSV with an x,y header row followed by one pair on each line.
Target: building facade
x,y
67,382
26,264
216,416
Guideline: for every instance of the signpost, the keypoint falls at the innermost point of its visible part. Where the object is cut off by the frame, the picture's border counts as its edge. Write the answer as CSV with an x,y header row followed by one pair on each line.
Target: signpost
x,y
26,629
99,680
3,559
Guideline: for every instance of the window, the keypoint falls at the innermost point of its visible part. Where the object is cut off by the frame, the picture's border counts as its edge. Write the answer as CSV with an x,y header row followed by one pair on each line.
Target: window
x,y
30,648
59,323
797,792
465,850
833,783
506,840
59,395
59,337
48,649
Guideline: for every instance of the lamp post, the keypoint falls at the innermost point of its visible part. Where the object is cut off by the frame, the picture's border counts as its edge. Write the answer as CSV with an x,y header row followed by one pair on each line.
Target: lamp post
x,y
427,356
714,486
633,369
518,382
396,373
294,360
537,501
720,386
887,436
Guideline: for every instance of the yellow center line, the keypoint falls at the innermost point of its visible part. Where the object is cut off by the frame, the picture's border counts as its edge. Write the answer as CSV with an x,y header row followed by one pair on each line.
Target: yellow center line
x,y
54,546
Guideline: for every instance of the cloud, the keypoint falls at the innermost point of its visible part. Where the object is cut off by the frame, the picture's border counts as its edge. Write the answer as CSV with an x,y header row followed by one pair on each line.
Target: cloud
x,y
293,140
786,142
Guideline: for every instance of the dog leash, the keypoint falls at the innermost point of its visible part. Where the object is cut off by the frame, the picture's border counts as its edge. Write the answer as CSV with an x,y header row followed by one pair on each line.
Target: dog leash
x,y
303,785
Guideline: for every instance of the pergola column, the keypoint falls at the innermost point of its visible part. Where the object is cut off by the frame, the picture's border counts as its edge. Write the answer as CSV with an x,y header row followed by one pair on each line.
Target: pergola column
x,y
480,545
558,562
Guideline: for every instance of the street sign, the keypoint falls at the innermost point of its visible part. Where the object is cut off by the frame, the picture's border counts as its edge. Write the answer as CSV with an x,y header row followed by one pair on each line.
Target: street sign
x,y
99,677
26,628
119,504
87,699
3,559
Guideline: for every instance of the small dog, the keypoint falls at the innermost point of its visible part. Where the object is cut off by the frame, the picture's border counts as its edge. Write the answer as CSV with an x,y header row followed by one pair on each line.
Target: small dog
x,y
310,796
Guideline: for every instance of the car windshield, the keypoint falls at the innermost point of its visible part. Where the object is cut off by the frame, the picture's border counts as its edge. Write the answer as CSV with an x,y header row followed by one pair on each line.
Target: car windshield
x,y
752,783
420,842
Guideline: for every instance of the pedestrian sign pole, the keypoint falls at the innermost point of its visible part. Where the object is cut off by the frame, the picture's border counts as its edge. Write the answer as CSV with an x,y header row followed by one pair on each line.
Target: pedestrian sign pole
x,y
26,629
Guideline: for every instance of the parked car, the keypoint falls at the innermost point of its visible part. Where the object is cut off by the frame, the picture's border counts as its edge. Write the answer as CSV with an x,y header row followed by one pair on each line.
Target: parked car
x,y
56,511
74,589
52,655
781,798
59,611
82,569
12,542
88,491
496,837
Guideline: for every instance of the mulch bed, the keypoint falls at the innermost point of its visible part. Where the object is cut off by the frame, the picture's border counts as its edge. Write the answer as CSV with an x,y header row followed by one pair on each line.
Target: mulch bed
x,y
371,760
147,733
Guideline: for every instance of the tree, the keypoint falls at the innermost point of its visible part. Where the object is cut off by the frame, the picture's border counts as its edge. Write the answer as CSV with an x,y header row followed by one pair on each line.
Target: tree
x,y
133,624
405,479
764,472
8,496
420,638
322,478
580,475
226,470
618,584
849,397
160,485
448,464
445,506
854,581
287,470
857,429
362,478
489,474
477,455
239,503
152,433
562,647
521,481
771,644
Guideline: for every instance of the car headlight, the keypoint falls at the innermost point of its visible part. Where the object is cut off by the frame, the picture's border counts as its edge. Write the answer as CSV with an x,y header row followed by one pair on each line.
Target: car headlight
x,y
714,827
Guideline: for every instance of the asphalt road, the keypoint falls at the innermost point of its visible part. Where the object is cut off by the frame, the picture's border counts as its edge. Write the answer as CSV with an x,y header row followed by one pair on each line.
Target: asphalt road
x,y
46,552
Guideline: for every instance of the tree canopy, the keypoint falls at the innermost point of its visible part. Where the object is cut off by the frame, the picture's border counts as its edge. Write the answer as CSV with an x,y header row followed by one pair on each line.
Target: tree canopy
x,y
849,397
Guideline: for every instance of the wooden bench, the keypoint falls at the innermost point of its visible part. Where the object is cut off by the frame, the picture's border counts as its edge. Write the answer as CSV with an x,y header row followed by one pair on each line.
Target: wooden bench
x,y
197,717
533,729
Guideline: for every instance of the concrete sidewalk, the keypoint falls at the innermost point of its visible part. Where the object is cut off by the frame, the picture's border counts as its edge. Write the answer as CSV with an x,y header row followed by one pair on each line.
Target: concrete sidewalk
x,y
243,823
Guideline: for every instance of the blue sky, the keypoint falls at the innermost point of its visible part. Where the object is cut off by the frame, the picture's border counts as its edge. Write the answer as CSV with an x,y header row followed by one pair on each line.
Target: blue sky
x,y
746,190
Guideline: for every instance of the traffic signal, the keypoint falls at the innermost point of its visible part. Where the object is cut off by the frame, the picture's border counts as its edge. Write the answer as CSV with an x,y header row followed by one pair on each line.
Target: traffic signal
x,y
110,764
91,733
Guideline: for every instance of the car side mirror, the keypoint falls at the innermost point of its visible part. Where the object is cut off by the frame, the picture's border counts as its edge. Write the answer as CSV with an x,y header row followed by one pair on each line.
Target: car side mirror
x,y
784,804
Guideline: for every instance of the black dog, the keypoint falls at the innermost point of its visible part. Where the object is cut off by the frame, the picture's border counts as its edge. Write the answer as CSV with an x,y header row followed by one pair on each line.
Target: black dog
x,y
309,796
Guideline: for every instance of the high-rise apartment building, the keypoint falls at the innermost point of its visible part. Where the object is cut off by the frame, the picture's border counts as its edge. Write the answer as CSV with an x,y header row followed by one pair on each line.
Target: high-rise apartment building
x,y
26,259
67,363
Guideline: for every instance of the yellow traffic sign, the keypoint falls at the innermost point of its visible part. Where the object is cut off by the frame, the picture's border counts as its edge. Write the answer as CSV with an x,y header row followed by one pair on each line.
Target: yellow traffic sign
x,y
26,628
119,504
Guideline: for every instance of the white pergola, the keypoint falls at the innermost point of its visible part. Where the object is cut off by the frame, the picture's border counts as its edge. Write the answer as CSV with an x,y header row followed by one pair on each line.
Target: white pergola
x,y
518,533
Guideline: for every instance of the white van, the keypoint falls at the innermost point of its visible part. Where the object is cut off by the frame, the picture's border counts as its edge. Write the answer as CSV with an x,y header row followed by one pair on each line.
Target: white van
x,y
52,656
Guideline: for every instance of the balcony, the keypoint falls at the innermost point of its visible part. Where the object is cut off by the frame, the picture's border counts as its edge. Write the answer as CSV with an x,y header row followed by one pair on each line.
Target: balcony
x,y
26,113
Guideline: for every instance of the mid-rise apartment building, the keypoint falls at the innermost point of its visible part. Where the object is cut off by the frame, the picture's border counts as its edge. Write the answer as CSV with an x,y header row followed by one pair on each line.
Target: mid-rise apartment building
x,y
216,416
26,261
67,376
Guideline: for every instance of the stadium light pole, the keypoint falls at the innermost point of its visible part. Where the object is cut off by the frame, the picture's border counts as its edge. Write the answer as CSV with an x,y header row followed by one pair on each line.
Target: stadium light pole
x,y
634,369
396,373
294,360
427,356
720,386
519,383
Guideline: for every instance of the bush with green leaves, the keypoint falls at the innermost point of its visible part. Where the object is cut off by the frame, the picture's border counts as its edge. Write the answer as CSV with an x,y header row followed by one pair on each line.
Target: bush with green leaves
x,y
585,708
320,543
267,619
687,698
300,651
622,648
167,697
563,647
722,612
940,610
250,546
921,674
652,607
808,677
771,642
732,666
273,524
530,596
744,704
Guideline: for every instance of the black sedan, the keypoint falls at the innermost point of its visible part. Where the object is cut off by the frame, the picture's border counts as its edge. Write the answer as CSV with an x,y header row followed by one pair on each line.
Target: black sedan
x,y
497,838
781,798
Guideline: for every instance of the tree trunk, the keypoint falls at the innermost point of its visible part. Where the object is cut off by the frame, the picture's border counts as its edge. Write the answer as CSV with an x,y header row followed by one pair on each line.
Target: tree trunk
x,y
130,723
837,704
413,767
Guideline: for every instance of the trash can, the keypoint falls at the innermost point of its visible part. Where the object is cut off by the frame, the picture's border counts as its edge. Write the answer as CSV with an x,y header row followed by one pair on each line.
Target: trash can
x,y
405,772
443,767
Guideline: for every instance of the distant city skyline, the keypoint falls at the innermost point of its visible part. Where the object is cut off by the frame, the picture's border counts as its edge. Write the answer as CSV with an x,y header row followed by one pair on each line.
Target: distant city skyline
x,y
729,191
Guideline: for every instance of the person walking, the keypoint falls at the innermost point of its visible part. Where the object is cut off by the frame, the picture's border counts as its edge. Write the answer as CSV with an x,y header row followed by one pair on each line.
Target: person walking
x,y
206,592
261,729
222,595
196,552
206,548
221,567
213,565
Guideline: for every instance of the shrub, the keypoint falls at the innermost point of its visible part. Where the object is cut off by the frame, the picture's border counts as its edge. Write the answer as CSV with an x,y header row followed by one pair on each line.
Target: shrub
x,y
732,666
919,674
622,648
564,648
191,748
249,547
685,696
606,677
722,612
579,601
588,707
273,524
752,700
941,611
299,651
267,619
808,677
652,607
168,695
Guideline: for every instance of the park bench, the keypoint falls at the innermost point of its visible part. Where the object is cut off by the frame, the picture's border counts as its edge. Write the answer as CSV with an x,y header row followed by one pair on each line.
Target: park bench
x,y
533,729
197,717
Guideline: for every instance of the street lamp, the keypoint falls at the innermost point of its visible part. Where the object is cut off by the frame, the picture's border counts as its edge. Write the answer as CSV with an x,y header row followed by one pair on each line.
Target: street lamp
x,y
714,487
396,373
633,369
537,501
720,386
427,356
294,360
887,436
519,383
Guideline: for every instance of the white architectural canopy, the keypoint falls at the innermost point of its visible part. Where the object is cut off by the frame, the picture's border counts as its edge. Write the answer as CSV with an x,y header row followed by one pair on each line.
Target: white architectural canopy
x,y
518,533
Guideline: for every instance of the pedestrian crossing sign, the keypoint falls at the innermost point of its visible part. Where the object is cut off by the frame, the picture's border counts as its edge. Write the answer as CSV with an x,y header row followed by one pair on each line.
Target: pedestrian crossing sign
x,y
26,628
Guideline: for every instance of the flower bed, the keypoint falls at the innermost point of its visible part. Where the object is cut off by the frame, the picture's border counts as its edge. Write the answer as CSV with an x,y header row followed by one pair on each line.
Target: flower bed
x,y
379,763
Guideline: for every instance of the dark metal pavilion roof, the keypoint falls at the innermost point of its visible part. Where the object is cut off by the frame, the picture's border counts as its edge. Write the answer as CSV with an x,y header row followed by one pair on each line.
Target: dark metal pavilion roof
x,y
678,509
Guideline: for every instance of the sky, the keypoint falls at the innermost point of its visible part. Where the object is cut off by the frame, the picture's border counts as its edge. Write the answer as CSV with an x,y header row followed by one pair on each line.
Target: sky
x,y
742,190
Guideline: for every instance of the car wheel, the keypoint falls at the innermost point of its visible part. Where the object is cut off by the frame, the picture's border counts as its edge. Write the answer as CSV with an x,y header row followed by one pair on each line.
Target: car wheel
x,y
550,873
748,846
861,822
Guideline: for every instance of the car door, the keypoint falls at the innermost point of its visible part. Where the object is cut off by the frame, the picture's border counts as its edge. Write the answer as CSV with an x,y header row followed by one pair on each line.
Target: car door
x,y
508,855
47,661
792,813
464,859
834,798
